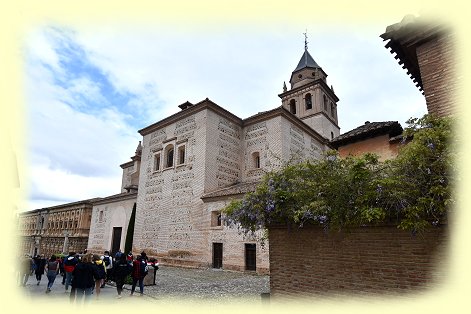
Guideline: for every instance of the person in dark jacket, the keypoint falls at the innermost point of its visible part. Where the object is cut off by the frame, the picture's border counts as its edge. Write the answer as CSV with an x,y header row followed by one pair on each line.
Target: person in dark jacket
x,y
122,269
69,264
83,281
40,262
139,267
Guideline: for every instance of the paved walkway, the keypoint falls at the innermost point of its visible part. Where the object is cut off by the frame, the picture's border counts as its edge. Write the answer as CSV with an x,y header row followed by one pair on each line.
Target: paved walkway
x,y
172,284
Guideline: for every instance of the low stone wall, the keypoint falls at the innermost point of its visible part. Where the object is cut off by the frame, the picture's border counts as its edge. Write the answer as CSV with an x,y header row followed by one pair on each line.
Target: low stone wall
x,y
362,261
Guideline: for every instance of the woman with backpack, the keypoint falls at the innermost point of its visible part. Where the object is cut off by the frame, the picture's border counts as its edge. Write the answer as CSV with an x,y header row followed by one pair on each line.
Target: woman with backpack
x,y
139,271
100,273
52,268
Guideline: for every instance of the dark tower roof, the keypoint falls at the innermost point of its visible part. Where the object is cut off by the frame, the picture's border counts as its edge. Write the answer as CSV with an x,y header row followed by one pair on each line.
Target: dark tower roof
x,y
306,62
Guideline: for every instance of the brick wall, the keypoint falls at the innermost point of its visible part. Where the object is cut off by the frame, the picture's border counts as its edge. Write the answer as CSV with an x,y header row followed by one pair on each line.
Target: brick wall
x,y
379,145
363,261
437,68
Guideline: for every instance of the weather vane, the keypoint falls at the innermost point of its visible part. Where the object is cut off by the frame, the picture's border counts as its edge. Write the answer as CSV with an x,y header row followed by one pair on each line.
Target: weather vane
x,y
305,40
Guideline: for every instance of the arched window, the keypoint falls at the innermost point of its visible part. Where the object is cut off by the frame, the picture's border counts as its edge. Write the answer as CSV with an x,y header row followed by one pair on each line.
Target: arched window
x,y
169,156
256,160
292,106
325,103
308,101
331,135
332,109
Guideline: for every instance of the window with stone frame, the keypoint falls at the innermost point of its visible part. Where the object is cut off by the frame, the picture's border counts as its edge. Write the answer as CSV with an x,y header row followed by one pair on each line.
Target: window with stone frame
x,y
256,160
332,109
100,216
181,154
216,220
169,156
157,162
325,103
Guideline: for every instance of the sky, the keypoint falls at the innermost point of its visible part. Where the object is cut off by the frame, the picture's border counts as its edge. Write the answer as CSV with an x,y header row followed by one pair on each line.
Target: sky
x,y
90,88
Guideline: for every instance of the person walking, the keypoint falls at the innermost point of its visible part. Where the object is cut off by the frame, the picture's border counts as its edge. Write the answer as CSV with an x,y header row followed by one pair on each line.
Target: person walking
x,y
139,271
108,261
25,270
101,273
52,268
40,262
69,265
121,270
83,280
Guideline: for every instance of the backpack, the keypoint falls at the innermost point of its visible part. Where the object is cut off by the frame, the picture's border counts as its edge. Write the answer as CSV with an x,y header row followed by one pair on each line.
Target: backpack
x,y
106,260
101,272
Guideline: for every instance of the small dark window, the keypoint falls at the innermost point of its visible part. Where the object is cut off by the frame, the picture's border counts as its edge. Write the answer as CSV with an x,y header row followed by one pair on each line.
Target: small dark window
x,y
216,220
157,162
256,160
169,160
332,109
331,135
181,155
300,76
292,106
325,103
308,100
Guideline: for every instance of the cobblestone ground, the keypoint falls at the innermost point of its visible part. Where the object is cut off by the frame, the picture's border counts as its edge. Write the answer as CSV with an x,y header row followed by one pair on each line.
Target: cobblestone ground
x,y
207,285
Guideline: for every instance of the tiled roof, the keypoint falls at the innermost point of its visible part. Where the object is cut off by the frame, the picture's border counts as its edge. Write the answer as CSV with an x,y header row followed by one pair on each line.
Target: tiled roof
x,y
240,188
404,38
306,61
369,129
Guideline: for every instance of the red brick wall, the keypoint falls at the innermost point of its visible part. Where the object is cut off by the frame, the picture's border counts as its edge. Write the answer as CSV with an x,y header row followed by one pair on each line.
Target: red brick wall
x,y
367,260
437,68
379,145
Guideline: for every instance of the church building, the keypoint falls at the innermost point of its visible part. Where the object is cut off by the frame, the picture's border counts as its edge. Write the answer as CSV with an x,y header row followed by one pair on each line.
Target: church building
x,y
195,161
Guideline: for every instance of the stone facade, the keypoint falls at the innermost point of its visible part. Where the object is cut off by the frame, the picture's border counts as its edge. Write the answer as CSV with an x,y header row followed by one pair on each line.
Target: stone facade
x,y
109,223
173,222
43,231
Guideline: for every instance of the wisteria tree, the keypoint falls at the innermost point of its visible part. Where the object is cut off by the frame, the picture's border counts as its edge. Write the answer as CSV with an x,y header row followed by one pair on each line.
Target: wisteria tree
x,y
413,190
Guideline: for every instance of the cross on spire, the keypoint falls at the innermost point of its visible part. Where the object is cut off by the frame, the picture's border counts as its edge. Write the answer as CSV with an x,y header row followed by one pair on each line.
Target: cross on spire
x,y
305,40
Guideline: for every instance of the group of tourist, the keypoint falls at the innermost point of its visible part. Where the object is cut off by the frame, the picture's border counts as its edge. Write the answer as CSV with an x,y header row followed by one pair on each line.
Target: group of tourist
x,y
88,273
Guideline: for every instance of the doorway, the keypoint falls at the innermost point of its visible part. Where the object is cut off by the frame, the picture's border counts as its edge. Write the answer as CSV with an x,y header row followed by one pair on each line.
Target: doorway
x,y
217,255
250,256
116,240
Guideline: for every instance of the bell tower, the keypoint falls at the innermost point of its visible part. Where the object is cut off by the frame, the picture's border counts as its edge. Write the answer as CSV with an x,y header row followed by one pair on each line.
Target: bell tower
x,y
310,98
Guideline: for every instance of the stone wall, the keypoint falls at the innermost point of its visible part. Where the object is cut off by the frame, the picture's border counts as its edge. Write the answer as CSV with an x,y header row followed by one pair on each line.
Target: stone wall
x,y
106,216
363,261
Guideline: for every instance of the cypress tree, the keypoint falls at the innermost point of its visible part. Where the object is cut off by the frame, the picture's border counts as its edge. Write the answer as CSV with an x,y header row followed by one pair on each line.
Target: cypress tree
x,y
130,231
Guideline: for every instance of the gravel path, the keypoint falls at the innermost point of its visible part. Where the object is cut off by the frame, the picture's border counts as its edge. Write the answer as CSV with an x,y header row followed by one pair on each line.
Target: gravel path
x,y
207,285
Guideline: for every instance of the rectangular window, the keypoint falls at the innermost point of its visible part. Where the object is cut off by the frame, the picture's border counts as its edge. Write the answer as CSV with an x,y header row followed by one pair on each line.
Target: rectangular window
x,y
181,155
216,220
157,162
